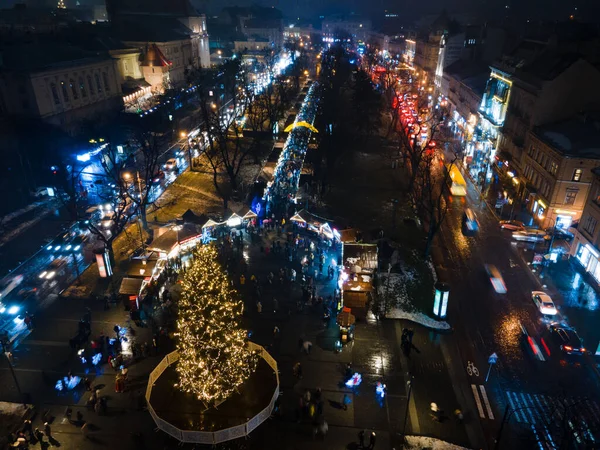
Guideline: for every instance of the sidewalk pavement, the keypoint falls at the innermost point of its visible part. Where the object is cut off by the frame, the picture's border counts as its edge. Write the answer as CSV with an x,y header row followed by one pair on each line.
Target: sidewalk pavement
x,y
375,353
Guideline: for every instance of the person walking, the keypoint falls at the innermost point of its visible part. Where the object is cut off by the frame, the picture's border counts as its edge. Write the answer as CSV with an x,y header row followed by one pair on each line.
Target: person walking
x,y
307,346
361,439
372,440
47,430
242,280
276,333
259,307
346,401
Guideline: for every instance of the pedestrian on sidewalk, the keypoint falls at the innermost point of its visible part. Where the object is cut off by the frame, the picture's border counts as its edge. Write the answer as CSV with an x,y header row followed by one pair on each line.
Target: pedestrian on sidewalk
x,y
85,431
372,440
346,401
307,346
39,436
47,430
27,427
259,307
361,439
298,370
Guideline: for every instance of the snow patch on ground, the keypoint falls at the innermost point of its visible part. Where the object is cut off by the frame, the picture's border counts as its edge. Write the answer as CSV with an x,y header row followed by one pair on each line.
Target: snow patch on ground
x,y
393,288
422,442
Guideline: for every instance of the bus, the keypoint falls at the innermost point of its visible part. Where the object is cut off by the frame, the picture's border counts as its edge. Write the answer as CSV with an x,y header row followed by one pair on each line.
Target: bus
x,y
456,182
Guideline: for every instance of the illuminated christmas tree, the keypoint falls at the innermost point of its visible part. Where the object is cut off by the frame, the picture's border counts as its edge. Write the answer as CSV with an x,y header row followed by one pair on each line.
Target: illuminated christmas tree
x,y
61,4
213,357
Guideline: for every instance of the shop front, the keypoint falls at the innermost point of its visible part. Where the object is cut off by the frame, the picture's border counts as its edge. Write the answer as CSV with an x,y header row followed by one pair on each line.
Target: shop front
x,y
588,256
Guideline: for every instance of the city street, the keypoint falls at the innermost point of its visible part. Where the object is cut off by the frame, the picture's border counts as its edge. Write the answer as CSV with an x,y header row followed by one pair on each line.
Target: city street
x,y
486,322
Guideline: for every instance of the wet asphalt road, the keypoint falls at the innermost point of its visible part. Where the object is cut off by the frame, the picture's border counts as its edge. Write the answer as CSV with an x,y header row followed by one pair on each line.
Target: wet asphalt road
x,y
486,322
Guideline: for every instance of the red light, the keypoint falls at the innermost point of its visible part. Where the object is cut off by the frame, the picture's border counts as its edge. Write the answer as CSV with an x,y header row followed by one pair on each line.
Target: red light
x,y
568,348
545,346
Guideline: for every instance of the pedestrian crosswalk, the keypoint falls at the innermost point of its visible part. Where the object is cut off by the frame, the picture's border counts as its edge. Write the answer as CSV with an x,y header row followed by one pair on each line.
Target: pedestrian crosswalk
x,y
482,402
554,421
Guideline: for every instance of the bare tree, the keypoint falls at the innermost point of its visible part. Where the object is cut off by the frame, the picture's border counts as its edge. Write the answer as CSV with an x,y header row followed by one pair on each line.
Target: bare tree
x,y
135,173
226,149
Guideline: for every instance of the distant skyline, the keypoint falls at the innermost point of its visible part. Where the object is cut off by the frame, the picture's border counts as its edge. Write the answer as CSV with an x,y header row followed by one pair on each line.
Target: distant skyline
x,y
408,10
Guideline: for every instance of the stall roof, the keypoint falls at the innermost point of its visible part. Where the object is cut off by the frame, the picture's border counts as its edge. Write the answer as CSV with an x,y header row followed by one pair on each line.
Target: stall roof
x,y
305,216
136,266
166,241
191,217
349,235
246,213
131,286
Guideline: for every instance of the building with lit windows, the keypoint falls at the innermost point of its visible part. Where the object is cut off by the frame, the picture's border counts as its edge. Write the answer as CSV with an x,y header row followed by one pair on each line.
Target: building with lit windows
x,y
557,169
358,28
586,245
59,84
551,88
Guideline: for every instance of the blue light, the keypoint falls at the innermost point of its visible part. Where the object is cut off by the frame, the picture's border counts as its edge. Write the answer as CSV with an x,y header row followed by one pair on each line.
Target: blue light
x,y
49,248
13,309
96,358
84,157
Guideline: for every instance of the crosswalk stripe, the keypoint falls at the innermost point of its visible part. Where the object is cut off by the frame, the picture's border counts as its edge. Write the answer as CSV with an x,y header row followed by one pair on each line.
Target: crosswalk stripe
x,y
486,402
478,401
514,407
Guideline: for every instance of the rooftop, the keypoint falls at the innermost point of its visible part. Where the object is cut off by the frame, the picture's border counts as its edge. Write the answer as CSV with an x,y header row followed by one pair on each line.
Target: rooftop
x,y
575,137
472,74
38,56
151,28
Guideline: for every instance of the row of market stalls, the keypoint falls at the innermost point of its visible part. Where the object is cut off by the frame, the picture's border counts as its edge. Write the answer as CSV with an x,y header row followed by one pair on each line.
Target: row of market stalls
x,y
175,243
281,190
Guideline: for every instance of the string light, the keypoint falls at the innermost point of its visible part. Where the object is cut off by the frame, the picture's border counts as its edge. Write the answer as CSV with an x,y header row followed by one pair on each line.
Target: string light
x,y
214,358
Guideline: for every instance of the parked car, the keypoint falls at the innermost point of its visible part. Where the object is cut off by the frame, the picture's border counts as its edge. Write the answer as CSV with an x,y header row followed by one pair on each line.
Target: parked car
x,y
495,278
567,339
158,176
529,235
544,303
512,225
560,234
171,164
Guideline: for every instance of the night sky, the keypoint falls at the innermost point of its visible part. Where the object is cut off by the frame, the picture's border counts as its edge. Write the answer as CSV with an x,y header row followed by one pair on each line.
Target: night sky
x,y
408,10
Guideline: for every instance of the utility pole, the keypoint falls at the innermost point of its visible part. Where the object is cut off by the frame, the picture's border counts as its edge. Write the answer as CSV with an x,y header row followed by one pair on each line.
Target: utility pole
x,y
409,384
5,343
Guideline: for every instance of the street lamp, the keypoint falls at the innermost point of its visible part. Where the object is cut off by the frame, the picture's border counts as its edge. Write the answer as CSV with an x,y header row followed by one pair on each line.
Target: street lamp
x,y
409,384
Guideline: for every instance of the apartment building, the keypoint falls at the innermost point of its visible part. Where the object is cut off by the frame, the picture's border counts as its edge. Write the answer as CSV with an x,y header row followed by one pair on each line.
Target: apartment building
x,y
586,245
558,169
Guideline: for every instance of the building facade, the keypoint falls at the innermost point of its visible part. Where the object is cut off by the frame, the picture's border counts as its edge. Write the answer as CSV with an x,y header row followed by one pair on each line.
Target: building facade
x,y
358,28
586,245
64,88
557,171
550,89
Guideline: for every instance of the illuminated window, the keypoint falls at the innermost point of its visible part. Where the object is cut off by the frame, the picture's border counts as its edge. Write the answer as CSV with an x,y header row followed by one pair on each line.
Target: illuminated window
x,y
553,168
577,174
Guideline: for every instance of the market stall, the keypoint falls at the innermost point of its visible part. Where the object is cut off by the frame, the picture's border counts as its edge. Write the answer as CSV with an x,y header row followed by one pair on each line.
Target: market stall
x,y
177,239
315,224
130,292
360,262
346,320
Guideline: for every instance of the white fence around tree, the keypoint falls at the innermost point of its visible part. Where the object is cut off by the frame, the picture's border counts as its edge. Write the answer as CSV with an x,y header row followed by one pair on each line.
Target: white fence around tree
x,y
211,437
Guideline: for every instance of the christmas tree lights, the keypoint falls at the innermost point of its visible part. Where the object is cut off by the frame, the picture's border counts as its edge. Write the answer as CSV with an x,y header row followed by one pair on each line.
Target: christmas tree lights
x,y
214,359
